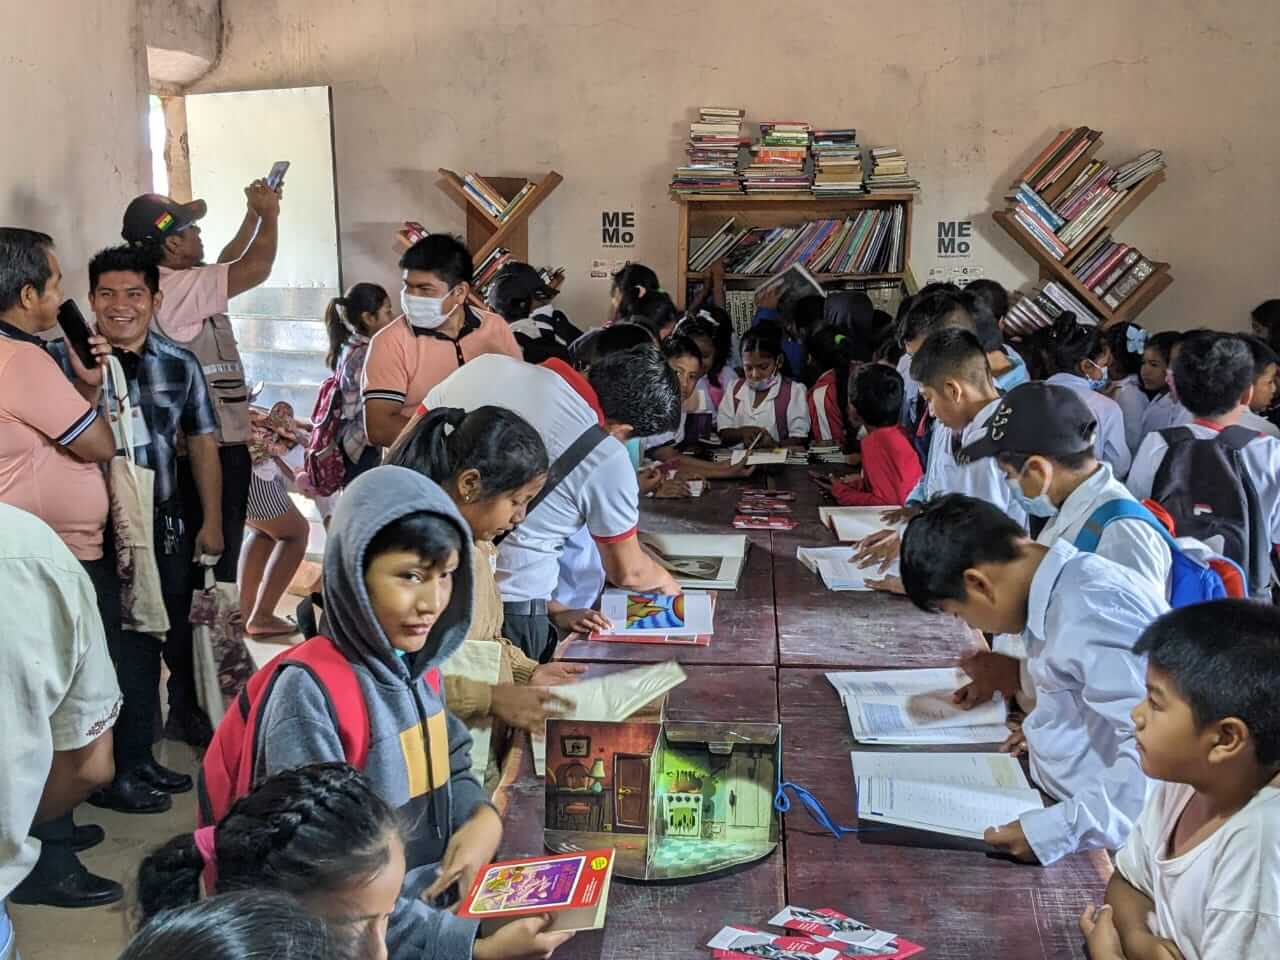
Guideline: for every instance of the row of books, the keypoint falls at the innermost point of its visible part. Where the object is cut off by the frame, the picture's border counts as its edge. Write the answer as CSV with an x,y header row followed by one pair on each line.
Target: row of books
x,y
888,171
713,153
837,163
780,160
870,241
1029,313
488,268
490,200
1112,271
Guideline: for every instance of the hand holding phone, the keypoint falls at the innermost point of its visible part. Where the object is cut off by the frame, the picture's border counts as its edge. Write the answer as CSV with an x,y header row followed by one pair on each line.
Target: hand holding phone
x,y
276,177
77,333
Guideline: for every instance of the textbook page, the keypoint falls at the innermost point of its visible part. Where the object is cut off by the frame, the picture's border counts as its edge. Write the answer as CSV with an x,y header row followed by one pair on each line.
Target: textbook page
x,y
987,771
925,718
896,683
957,811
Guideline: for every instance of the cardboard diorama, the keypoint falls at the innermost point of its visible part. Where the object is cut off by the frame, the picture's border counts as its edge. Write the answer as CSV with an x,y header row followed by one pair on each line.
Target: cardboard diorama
x,y
674,799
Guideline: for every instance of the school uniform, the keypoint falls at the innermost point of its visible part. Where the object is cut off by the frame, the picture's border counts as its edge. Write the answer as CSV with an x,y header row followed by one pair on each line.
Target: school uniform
x,y
1015,375
910,389
1110,444
1084,615
672,438
1164,411
738,409
890,471
1256,421
581,573
825,415
1261,459
1133,403
1221,898
713,393
1130,543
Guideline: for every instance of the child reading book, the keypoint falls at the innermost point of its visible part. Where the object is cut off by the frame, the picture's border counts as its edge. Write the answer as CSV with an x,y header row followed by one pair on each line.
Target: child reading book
x,y
712,331
1200,874
1080,616
890,467
766,407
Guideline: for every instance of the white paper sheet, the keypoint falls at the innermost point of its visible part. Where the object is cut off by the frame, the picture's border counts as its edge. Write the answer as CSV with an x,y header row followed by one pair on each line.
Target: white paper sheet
x,y
987,771
958,811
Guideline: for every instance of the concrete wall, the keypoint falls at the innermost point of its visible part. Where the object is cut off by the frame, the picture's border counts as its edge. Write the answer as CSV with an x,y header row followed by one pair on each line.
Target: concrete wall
x,y
182,40
602,90
73,112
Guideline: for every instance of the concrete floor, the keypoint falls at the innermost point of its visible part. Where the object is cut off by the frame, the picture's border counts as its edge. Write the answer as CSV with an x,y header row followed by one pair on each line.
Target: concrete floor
x,y
48,933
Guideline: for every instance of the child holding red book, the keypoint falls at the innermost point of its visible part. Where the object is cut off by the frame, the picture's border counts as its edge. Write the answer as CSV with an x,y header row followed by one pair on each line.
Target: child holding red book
x,y
890,467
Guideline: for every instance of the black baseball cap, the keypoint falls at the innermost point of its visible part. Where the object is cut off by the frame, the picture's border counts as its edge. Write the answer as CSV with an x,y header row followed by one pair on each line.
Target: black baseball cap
x,y
155,217
517,281
1037,419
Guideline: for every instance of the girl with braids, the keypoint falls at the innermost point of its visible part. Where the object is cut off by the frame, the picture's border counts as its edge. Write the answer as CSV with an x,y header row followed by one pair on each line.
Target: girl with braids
x,y
352,321
491,463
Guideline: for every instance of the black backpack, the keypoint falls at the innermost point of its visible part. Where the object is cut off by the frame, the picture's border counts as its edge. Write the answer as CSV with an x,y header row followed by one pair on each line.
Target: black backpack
x,y
1204,486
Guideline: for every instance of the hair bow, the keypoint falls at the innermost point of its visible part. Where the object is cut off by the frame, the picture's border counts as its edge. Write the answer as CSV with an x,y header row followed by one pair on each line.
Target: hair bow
x,y
1135,339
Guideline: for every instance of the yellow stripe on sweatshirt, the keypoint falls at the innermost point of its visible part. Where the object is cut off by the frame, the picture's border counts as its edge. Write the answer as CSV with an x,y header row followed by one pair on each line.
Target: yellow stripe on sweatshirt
x,y
416,753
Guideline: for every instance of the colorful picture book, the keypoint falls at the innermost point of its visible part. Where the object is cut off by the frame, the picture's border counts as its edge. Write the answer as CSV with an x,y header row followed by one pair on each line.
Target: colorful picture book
x,y
674,799
916,707
655,615
699,561
572,888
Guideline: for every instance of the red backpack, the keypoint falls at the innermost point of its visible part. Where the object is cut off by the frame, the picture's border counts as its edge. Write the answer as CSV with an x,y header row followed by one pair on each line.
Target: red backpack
x,y
325,465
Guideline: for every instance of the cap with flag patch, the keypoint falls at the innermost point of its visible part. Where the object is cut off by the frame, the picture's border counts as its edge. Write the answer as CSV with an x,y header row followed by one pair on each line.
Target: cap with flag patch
x,y
153,216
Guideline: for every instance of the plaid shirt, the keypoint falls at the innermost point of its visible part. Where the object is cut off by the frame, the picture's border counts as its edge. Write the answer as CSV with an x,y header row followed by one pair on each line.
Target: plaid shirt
x,y
168,386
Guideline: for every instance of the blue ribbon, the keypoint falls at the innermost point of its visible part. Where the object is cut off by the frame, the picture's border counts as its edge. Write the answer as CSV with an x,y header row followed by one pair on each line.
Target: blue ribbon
x,y
813,806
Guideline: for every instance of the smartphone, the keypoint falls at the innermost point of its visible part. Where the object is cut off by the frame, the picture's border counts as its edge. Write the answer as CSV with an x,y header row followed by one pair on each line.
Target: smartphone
x,y
276,176
77,332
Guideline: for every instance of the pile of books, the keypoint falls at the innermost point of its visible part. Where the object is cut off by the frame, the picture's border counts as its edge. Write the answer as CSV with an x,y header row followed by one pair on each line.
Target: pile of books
x,y
888,171
1112,271
488,268
490,200
1129,175
823,934
779,162
870,241
411,231
713,153
1029,313
837,163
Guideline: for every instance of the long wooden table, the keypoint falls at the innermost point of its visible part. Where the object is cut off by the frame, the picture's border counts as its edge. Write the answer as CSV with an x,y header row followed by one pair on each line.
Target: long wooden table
x,y
772,636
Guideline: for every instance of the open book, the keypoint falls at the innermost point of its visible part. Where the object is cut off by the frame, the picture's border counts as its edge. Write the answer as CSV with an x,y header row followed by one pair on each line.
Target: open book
x,y
699,561
838,571
654,615
956,794
915,707
856,523
573,888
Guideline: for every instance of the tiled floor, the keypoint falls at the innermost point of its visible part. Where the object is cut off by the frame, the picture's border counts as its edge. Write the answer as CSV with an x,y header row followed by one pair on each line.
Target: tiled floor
x,y
47,933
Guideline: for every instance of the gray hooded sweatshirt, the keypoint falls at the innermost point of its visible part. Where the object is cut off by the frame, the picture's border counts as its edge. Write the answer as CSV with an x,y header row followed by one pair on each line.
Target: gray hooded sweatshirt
x,y
419,754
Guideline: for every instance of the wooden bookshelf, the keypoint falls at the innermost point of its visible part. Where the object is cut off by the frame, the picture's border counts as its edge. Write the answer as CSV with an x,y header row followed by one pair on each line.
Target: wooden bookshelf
x,y
1060,270
701,215
485,231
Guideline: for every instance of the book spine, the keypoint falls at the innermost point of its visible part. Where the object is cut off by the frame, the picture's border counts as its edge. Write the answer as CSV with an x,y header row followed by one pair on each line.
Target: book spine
x,y
1048,241
515,201
1117,271
1106,265
1092,257
1045,154
1060,160
1130,282
495,199
1042,210
480,198
1032,214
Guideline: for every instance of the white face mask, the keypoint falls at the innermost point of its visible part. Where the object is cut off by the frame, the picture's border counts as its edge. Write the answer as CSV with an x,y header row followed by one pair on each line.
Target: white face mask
x,y
425,313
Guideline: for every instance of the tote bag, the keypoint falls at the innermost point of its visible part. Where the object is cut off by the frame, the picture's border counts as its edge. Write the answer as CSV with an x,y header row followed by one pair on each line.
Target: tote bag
x,y
223,664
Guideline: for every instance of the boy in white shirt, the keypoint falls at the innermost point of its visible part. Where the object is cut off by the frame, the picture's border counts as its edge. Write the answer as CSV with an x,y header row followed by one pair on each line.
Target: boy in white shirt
x,y
1200,875
1080,616
1043,438
1264,387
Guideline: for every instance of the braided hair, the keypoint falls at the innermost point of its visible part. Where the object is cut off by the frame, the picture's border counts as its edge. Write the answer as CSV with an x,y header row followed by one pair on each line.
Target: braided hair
x,y
342,317
315,829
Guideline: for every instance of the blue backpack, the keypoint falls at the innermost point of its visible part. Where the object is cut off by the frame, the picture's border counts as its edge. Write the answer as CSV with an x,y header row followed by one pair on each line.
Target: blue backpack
x,y
1191,581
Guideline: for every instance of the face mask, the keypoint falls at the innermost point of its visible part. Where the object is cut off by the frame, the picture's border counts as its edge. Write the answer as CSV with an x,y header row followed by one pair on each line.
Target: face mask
x,y
763,386
1039,506
425,313
1096,383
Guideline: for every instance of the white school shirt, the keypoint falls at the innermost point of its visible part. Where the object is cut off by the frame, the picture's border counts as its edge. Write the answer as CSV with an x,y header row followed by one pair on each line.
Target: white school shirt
x,y
1222,897
1133,403
1111,443
910,389
1261,460
1084,615
581,573
1164,411
600,493
1255,421
737,412
670,439
1130,543
982,479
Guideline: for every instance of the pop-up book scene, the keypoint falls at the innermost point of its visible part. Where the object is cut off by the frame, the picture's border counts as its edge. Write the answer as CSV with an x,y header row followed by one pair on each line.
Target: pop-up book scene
x,y
673,799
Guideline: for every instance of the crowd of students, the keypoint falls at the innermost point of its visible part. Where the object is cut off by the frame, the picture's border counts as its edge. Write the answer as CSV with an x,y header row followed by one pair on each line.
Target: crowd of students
x,y
1102,504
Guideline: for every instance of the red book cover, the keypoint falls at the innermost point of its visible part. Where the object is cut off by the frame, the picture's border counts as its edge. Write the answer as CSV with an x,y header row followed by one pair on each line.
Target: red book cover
x,y
754,522
538,885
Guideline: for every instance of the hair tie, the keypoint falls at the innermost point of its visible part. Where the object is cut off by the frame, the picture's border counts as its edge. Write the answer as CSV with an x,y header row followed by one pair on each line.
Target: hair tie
x,y
1135,339
708,316
204,840
340,306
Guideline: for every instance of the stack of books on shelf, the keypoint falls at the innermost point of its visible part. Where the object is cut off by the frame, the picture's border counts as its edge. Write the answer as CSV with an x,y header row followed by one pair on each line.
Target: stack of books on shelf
x,y
870,241
487,268
490,200
1129,175
713,153
837,163
779,162
888,171
1029,313
1112,271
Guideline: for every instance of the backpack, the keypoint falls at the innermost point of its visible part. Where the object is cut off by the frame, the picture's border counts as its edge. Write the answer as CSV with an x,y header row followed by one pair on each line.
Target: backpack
x,y
1205,488
1190,581
780,404
324,461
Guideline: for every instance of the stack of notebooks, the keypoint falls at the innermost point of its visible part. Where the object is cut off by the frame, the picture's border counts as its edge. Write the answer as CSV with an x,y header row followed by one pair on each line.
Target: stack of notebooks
x,y
490,200
837,164
1041,308
779,162
870,241
1112,271
713,153
914,707
488,268
888,173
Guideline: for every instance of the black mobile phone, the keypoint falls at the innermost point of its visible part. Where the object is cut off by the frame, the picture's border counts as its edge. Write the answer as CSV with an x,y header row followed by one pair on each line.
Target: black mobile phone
x,y
77,332
276,176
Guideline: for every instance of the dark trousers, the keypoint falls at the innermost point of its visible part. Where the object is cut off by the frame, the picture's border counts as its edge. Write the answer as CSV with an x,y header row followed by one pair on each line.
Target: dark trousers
x,y
528,627
237,471
371,458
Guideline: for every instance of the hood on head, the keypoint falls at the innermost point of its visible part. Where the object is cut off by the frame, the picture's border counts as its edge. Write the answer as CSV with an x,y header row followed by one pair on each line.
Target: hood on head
x,y
373,502
851,311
